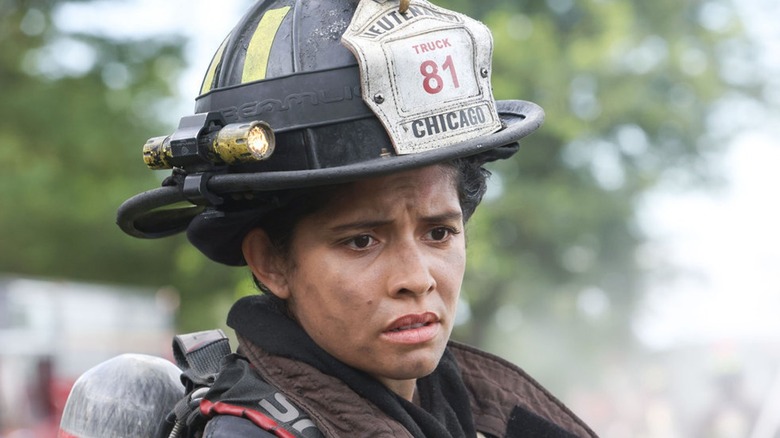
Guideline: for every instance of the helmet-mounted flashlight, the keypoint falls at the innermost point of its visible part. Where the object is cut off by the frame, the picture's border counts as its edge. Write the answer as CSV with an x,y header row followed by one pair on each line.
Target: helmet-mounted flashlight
x,y
204,140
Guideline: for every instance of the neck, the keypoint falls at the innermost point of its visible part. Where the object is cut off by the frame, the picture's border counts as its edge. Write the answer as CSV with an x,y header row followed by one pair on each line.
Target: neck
x,y
404,388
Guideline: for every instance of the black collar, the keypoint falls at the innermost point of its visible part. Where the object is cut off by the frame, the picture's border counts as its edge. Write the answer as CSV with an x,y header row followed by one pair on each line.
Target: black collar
x,y
444,410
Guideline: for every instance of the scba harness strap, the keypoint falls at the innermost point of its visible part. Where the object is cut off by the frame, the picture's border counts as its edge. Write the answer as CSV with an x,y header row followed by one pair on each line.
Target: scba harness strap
x,y
219,382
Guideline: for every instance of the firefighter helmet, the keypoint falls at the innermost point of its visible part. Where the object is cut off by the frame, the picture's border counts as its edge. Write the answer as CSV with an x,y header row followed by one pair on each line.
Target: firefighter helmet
x,y
311,93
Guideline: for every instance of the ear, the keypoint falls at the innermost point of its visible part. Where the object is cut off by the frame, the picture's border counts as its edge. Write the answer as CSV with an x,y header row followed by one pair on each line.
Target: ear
x,y
265,262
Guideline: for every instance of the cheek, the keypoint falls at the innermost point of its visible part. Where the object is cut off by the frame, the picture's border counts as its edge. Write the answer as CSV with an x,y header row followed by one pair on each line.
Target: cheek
x,y
339,324
452,277
455,264
324,305
451,292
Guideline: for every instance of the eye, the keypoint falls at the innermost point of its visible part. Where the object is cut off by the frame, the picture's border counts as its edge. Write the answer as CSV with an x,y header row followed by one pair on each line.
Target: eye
x,y
439,234
362,241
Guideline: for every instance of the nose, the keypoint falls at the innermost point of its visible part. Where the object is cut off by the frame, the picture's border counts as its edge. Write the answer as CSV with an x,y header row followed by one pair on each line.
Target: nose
x,y
411,270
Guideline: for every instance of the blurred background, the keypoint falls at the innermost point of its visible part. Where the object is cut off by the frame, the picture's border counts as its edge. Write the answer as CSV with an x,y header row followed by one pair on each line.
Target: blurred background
x,y
627,258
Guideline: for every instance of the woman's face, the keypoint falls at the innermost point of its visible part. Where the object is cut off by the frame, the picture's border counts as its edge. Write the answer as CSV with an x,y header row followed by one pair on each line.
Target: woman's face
x,y
374,277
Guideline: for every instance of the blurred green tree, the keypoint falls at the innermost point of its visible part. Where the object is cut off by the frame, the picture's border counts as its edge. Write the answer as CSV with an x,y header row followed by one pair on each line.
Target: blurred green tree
x,y
76,108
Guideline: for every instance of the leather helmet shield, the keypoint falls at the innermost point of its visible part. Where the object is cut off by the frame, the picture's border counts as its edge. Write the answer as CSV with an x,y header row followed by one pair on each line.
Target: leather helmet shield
x,y
424,73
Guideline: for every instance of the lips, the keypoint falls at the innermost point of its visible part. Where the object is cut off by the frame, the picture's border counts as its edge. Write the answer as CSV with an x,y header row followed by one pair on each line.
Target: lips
x,y
413,329
411,322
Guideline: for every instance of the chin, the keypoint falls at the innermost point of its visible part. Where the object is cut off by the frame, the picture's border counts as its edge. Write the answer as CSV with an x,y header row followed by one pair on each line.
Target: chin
x,y
415,368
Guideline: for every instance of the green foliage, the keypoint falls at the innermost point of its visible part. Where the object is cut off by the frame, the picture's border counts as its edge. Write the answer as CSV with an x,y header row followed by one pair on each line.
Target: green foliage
x,y
71,141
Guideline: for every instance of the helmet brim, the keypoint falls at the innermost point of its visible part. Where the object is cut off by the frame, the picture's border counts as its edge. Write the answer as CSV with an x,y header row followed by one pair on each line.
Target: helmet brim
x,y
219,234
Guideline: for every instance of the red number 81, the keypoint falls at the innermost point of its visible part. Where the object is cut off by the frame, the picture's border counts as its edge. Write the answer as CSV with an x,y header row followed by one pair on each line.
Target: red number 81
x,y
432,82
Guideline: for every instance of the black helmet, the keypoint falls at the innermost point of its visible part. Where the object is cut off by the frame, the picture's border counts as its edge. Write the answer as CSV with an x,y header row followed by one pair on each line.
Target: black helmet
x,y
319,92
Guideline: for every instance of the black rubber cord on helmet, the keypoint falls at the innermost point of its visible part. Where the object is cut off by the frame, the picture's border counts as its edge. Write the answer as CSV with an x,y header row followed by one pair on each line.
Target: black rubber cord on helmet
x,y
144,214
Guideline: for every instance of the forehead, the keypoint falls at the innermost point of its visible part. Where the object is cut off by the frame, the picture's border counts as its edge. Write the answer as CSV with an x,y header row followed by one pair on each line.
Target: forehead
x,y
432,187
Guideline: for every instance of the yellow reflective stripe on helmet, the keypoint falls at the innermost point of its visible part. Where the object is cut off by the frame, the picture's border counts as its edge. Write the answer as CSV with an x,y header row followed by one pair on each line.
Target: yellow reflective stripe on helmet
x,y
256,61
209,79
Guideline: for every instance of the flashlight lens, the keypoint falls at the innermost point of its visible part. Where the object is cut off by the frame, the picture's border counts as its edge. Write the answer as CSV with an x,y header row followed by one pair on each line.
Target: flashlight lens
x,y
258,142
244,143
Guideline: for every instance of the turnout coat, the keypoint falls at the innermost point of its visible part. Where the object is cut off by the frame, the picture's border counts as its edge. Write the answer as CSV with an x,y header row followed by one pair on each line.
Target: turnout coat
x,y
282,384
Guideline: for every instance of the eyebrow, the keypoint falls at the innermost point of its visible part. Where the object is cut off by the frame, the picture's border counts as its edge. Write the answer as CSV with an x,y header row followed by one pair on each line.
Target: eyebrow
x,y
445,217
364,224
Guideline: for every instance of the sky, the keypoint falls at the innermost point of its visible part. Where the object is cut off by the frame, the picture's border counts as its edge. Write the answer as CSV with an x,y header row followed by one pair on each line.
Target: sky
x,y
725,242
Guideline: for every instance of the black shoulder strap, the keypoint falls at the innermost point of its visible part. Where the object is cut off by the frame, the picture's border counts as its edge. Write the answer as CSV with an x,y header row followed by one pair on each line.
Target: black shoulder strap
x,y
240,391
199,355
220,383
